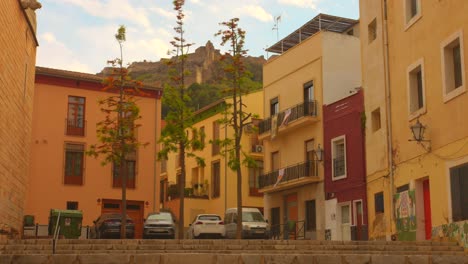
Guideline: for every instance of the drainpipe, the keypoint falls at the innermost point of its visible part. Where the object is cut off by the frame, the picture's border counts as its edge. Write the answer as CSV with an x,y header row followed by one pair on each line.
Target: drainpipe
x,y
225,166
389,113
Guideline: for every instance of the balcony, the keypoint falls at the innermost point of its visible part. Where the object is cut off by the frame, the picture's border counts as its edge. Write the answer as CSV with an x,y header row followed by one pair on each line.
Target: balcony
x,y
296,175
75,127
303,113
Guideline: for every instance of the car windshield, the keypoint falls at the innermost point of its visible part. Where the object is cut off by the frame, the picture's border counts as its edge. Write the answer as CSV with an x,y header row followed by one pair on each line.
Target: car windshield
x,y
252,217
160,217
209,217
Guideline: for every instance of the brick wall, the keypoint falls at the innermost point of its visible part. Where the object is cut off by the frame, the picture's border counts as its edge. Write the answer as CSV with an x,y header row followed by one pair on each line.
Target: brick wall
x,y
17,64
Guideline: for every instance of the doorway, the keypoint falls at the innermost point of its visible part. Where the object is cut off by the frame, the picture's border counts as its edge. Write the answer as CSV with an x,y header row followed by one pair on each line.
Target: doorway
x,y
345,221
427,209
359,219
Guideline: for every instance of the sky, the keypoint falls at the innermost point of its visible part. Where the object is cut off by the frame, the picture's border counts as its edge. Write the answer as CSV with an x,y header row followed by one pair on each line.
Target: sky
x,y
78,35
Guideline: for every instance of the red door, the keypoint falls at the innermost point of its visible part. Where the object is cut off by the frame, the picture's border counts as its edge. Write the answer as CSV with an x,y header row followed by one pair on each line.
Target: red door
x,y
291,202
427,209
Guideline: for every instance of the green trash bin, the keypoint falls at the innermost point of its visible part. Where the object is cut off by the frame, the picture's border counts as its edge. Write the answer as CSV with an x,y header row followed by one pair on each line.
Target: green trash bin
x,y
69,223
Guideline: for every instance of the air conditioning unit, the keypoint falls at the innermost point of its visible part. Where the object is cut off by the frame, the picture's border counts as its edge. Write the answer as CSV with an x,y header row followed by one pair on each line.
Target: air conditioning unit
x,y
258,148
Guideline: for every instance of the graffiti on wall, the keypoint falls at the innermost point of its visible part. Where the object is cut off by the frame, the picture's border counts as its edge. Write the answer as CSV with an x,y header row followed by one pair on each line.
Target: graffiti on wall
x,y
456,231
405,209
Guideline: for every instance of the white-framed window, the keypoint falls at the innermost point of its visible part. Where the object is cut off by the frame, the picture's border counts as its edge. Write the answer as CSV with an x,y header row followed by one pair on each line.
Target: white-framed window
x,y
338,146
458,184
453,68
412,11
416,91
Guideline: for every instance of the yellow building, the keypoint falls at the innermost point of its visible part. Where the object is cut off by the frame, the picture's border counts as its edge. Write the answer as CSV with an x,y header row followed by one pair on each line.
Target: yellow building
x,y
318,65
65,114
414,77
17,60
212,189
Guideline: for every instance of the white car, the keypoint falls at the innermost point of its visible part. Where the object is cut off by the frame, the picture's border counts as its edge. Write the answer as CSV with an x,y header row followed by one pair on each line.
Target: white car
x,y
207,225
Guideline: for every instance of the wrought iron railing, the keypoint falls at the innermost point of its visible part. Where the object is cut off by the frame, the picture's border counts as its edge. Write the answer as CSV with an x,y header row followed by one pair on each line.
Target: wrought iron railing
x,y
75,127
308,108
289,230
339,166
295,172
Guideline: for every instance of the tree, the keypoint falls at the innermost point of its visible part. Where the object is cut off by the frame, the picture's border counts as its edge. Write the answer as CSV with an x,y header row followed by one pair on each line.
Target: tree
x,y
238,78
175,135
116,132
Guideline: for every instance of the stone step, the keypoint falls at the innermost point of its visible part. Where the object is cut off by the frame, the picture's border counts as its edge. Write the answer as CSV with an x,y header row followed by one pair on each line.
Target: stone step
x,y
209,258
194,247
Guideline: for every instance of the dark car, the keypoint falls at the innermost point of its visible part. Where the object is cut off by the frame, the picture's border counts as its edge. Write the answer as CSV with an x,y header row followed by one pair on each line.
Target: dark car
x,y
159,225
108,226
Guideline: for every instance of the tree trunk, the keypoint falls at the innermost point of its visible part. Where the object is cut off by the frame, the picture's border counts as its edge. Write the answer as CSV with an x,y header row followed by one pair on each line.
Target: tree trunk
x,y
123,173
239,193
181,191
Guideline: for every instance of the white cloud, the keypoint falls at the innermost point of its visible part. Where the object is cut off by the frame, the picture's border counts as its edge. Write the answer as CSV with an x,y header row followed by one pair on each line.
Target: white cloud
x,y
163,12
301,3
115,9
53,53
256,12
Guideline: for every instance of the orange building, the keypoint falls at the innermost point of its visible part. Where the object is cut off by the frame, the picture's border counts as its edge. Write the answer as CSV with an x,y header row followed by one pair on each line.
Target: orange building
x,y
64,126
17,59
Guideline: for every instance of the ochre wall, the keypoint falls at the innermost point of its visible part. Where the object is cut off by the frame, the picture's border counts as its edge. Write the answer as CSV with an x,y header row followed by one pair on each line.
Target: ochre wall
x,y
47,154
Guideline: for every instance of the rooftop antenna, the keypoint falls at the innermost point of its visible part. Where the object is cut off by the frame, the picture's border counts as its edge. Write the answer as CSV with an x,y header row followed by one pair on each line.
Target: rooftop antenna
x,y
276,26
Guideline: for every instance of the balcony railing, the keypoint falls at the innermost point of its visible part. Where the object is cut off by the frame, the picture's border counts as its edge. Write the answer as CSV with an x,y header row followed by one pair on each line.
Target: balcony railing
x,y
308,108
75,127
295,172
339,166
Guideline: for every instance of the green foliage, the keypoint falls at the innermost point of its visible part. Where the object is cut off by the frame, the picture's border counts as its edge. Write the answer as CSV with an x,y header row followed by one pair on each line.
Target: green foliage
x,y
116,131
175,136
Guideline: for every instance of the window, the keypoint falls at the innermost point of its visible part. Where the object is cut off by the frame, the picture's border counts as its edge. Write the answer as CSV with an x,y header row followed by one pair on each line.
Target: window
x,y
339,158
74,158
379,202
458,188
372,30
416,88
402,188
309,91
311,223
274,106
311,169
72,205
215,145
216,179
202,135
75,118
130,167
412,11
275,162
254,176
376,123
453,72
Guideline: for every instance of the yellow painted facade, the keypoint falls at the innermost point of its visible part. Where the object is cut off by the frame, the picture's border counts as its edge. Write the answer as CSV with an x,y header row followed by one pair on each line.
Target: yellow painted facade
x,y
49,187
204,200
418,43
329,62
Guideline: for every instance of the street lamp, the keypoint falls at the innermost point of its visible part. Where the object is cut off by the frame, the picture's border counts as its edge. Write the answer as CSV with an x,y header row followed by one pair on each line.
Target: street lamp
x,y
418,130
319,153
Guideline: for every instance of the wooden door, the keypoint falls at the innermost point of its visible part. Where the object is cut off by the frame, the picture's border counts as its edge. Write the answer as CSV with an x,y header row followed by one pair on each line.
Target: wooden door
x,y
427,209
291,207
135,210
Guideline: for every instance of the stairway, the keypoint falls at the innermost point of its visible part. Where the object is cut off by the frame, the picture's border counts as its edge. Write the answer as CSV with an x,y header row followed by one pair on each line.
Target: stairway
x,y
39,251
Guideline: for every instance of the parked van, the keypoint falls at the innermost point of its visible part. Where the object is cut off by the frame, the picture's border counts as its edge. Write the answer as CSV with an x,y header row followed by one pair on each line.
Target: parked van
x,y
253,224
